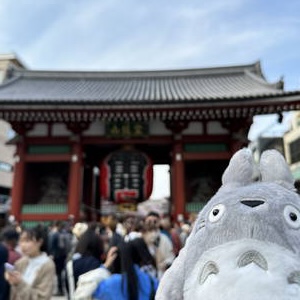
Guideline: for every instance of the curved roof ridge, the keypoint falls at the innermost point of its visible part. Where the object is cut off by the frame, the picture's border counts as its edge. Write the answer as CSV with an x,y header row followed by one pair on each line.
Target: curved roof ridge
x,y
261,80
136,73
279,84
258,69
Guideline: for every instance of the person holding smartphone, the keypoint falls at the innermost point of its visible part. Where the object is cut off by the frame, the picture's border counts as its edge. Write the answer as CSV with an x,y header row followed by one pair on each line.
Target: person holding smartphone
x,y
34,273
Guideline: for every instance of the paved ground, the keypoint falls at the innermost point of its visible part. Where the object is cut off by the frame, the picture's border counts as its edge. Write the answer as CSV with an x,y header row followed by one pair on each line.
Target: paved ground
x,y
57,297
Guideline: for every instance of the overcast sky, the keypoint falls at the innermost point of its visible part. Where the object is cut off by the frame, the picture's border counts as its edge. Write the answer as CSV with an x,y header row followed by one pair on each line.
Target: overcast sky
x,y
156,34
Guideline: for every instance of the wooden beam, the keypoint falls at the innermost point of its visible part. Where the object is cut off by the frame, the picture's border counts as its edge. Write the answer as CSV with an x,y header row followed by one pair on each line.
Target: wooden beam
x,y
47,157
43,217
207,155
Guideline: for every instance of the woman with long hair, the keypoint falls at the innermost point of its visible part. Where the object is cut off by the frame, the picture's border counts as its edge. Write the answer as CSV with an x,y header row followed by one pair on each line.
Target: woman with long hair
x,y
129,281
89,253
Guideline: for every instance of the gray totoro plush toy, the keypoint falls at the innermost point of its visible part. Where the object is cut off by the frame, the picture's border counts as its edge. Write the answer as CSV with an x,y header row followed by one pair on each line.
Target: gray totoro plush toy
x,y
245,243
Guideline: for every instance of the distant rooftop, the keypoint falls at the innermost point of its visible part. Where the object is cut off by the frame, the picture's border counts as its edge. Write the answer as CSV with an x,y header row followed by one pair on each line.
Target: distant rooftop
x,y
11,57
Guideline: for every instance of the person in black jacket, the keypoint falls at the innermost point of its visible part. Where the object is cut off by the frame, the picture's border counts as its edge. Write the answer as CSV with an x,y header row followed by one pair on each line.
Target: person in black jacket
x,y
88,253
4,286
59,247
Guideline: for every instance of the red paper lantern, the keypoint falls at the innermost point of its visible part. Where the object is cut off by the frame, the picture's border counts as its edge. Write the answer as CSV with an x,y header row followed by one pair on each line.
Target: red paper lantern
x,y
126,176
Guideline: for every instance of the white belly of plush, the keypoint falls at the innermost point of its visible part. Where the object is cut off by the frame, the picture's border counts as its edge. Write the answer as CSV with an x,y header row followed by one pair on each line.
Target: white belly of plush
x,y
233,275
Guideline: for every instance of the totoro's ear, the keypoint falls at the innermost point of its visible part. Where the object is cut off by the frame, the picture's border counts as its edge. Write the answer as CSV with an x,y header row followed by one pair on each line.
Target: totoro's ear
x,y
274,168
240,170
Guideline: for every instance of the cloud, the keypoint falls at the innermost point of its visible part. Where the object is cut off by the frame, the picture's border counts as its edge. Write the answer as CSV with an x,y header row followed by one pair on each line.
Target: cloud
x,y
131,34
157,34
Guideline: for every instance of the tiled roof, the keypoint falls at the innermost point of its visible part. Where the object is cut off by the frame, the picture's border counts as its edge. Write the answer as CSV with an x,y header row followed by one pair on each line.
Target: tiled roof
x,y
139,87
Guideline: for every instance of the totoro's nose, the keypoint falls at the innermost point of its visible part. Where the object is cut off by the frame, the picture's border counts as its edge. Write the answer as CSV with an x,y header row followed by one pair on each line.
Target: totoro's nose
x,y
252,203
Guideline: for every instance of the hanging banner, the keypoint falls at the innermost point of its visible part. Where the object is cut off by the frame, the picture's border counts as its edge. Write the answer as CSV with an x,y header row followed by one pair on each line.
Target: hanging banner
x,y
126,176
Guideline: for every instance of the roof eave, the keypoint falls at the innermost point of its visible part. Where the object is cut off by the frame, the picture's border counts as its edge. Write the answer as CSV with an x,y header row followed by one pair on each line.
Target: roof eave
x,y
139,73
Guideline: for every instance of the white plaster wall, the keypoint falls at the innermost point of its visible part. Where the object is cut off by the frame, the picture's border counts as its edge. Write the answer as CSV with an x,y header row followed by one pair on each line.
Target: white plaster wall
x,y
60,130
158,128
215,127
6,179
39,130
193,128
96,129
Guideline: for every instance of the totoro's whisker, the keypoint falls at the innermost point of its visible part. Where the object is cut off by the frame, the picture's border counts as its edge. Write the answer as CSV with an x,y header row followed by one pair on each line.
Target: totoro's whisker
x,y
201,225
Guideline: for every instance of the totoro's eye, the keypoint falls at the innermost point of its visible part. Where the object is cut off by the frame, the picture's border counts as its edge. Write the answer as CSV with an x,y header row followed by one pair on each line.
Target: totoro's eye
x,y
292,216
216,213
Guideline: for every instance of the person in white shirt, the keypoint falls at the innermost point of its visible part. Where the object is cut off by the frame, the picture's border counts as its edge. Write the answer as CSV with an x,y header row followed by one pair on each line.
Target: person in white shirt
x,y
161,245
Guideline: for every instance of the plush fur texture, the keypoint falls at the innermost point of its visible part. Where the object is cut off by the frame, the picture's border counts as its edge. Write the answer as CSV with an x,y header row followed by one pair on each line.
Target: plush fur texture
x,y
245,243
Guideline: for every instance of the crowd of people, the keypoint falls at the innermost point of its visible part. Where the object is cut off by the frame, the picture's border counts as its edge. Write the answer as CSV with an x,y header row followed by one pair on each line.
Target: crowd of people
x,y
116,258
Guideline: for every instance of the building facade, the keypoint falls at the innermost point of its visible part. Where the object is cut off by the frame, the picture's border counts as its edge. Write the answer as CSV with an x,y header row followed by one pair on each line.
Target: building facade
x,y
6,151
68,123
292,146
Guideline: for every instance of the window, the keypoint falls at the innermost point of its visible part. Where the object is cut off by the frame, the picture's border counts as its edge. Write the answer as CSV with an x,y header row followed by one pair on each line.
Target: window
x,y
5,167
295,151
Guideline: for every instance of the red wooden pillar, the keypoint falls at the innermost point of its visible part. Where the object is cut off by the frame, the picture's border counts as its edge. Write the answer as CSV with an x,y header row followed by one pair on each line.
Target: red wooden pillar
x,y
178,179
18,182
88,192
75,181
177,168
236,145
239,129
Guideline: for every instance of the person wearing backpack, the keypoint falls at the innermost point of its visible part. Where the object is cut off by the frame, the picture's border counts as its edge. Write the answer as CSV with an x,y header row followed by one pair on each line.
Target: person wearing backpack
x,y
4,286
60,245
